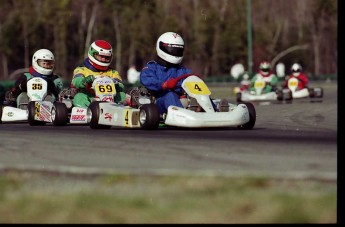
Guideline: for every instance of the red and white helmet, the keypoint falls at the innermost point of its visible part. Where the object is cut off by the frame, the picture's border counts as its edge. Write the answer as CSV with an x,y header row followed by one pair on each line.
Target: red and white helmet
x,y
265,67
100,54
43,62
296,69
170,47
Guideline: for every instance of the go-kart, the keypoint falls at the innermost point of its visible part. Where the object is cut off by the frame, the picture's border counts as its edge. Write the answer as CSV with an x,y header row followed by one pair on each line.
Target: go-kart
x,y
62,112
259,94
38,100
199,112
138,112
292,85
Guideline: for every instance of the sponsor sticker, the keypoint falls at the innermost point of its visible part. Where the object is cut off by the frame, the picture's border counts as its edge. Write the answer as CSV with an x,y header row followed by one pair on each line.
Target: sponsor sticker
x,y
78,117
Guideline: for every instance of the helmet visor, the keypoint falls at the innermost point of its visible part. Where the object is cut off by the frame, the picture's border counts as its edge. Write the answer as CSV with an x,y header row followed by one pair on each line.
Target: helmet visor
x,y
296,70
102,58
47,64
266,70
172,49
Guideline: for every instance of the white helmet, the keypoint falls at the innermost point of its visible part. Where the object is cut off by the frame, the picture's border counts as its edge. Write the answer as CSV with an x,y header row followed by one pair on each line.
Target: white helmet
x,y
43,62
169,47
296,69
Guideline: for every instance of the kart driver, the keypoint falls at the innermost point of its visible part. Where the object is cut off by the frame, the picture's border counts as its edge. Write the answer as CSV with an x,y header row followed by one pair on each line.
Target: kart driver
x,y
296,72
43,63
160,77
270,78
99,58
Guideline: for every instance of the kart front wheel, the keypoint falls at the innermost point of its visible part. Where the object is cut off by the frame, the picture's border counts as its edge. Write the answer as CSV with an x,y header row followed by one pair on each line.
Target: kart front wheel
x,y
252,117
59,114
94,110
318,92
32,111
149,116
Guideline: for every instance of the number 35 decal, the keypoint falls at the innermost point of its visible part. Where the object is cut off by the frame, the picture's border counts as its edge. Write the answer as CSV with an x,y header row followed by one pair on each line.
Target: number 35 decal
x,y
36,86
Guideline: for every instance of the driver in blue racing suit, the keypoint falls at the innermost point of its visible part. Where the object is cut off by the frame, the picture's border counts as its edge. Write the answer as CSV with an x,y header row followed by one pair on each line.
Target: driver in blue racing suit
x,y
161,76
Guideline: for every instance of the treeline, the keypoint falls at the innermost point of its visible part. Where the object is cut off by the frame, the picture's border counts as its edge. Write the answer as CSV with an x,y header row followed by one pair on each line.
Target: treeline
x,y
215,32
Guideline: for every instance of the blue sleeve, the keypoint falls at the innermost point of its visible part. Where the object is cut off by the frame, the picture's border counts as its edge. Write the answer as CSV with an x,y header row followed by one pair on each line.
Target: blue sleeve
x,y
150,78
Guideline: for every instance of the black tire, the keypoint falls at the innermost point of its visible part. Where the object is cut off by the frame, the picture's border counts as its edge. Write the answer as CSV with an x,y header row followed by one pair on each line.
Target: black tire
x,y
311,92
149,116
31,114
61,114
252,117
318,92
239,97
287,96
1,107
95,113
280,95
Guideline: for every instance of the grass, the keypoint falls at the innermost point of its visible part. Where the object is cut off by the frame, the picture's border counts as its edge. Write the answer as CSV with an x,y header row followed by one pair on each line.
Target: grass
x,y
34,197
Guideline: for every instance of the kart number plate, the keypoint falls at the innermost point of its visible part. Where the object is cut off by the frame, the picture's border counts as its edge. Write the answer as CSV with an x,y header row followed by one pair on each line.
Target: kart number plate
x,y
198,88
259,84
293,83
105,89
37,86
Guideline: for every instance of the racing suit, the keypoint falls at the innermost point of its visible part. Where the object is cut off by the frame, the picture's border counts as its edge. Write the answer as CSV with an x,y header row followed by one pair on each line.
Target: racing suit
x,y
270,79
153,75
85,93
302,81
18,92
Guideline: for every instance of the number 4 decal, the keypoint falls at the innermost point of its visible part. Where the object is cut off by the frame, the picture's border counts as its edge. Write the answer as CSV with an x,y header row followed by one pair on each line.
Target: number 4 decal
x,y
196,87
127,118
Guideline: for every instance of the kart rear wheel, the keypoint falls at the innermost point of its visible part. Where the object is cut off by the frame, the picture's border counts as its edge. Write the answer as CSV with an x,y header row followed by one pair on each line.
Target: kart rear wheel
x,y
287,95
31,114
318,92
95,111
252,117
149,116
311,92
59,114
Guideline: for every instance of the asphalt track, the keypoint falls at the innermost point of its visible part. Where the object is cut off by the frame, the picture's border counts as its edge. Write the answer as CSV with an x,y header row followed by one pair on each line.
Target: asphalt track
x,y
289,140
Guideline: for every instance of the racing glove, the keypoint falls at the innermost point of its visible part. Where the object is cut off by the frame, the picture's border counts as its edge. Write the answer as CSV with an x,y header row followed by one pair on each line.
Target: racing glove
x,y
169,84
172,82
89,79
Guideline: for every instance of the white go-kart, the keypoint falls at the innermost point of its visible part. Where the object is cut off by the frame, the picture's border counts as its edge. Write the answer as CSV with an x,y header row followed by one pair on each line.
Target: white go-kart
x,y
62,112
310,92
199,112
103,112
37,104
258,93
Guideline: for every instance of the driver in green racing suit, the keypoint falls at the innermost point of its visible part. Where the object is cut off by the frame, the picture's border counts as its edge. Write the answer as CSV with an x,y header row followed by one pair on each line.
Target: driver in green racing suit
x,y
97,63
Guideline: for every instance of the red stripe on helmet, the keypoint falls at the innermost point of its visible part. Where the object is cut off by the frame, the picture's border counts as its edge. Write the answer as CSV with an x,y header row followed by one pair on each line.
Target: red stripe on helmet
x,y
103,44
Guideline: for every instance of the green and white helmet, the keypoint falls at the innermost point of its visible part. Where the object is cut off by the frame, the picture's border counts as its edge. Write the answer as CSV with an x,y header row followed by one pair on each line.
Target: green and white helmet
x,y
100,54
265,67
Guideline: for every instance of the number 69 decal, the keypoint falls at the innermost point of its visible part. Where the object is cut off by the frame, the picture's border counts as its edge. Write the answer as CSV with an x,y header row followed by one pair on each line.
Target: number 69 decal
x,y
105,88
